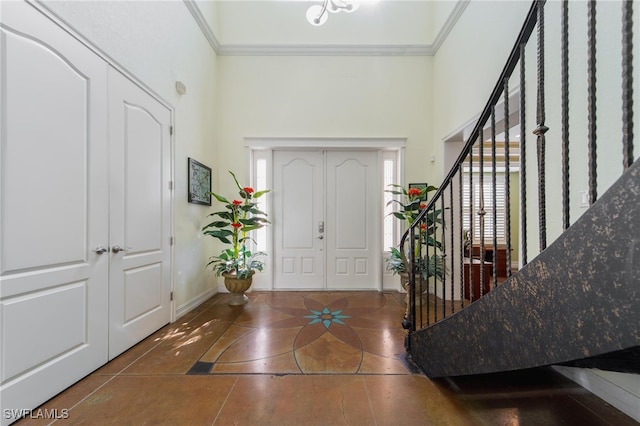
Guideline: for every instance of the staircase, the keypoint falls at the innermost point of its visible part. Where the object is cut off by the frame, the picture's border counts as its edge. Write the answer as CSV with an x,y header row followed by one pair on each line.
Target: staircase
x,y
578,297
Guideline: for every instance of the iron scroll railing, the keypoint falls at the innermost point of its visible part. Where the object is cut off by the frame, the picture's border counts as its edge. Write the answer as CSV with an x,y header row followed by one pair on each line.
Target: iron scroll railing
x,y
460,246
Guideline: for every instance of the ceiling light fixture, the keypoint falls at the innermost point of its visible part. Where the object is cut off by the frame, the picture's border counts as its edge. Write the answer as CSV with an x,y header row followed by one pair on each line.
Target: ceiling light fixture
x,y
317,14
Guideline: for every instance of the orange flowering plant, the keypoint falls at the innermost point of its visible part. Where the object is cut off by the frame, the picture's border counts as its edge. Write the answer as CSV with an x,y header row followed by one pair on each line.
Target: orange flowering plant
x,y
411,203
231,226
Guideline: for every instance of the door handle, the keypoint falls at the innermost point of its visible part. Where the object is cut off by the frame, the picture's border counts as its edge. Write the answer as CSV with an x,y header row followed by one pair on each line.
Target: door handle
x,y
117,248
100,250
321,237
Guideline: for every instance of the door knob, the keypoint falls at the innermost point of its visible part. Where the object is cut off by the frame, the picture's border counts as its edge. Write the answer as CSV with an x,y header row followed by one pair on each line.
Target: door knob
x,y
100,250
117,248
320,237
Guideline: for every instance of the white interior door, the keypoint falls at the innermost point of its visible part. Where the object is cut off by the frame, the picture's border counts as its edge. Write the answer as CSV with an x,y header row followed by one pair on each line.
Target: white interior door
x,y
298,196
53,275
327,220
353,209
140,214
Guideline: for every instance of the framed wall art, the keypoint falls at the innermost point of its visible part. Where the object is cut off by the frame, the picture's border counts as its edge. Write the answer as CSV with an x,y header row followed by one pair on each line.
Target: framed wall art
x,y
199,181
421,187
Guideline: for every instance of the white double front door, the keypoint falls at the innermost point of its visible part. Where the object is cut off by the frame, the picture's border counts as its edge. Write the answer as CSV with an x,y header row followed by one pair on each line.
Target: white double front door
x,y
326,220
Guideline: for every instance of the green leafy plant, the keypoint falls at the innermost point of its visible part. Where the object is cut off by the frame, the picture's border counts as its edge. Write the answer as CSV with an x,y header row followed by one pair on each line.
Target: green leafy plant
x,y
412,201
231,226
395,262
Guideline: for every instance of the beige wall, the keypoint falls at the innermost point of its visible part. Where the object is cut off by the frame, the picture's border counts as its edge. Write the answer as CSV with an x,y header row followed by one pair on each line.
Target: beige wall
x,y
324,96
232,97
468,64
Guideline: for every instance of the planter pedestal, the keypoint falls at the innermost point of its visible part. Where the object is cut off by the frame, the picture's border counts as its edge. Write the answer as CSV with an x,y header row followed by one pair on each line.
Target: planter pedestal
x,y
421,286
237,287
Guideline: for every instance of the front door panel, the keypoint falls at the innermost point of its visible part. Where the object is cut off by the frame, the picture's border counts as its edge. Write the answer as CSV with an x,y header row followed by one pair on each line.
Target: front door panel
x,y
353,220
298,203
327,220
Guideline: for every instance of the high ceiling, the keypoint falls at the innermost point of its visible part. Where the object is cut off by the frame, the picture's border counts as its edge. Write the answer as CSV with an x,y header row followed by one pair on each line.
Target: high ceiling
x,y
400,27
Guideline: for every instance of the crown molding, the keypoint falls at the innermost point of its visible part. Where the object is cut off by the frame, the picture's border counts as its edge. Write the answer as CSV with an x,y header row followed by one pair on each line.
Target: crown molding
x,y
449,24
203,24
325,50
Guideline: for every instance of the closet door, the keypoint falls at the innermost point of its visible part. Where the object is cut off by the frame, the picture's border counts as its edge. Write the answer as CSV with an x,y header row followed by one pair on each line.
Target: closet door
x,y
53,209
140,214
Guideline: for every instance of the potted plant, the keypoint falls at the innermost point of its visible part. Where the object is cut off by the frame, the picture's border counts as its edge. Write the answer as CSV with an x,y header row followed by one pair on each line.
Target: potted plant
x,y
236,263
411,203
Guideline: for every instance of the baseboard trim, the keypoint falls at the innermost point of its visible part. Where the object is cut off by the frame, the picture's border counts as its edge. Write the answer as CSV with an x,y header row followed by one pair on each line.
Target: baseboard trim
x,y
195,302
611,392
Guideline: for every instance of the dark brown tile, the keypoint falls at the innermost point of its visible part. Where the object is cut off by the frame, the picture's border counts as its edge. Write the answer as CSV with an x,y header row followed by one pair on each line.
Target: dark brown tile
x,y
297,400
177,356
329,355
60,405
260,344
160,400
281,364
413,400
274,362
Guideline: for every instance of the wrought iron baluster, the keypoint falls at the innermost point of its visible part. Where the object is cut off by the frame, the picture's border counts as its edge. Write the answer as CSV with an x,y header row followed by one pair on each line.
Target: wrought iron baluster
x,y
442,261
453,308
540,131
426,264
591,101
424,283
565,112
471,220
627,83
462,240
523,157
412,279
494,179
481,210
507,181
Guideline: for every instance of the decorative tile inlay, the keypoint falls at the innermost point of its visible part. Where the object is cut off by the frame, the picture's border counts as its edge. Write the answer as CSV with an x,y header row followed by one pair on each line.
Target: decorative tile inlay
x,y
311,333
326,317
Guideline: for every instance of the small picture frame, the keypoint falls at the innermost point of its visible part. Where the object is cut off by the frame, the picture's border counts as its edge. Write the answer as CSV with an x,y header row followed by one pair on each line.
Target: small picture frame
x,y
421,187
199,181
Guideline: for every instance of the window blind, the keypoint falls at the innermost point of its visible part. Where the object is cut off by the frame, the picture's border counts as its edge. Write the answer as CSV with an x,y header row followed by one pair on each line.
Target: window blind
x,y
489,224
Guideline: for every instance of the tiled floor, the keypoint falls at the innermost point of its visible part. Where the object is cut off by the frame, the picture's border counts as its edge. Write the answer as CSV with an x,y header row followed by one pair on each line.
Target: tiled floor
x,y
307,359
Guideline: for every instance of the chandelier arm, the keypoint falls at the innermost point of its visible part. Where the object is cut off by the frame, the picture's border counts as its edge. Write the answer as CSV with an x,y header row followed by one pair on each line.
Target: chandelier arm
x,y
325,3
